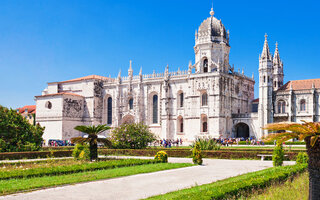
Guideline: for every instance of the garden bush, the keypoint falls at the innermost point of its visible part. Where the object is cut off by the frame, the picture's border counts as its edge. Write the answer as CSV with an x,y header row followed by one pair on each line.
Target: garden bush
x,y
68,169
81,152
196,154
278,155
161,156
207,144
132,136
17,134
302,158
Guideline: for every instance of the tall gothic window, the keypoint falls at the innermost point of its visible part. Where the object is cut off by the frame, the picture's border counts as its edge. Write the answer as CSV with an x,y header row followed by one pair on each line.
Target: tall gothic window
x,y
204,127
205,65
180,124
281,106
303,105
181,100
131,103
155,109
204,99
109,111
204,123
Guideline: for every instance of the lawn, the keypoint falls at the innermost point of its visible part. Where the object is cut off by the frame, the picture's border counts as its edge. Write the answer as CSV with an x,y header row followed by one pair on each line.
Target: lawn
x,y
228,188
17,181
298,188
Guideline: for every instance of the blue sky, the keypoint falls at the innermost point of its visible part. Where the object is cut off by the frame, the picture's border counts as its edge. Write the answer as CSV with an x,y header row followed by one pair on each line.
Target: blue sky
x,y
45,41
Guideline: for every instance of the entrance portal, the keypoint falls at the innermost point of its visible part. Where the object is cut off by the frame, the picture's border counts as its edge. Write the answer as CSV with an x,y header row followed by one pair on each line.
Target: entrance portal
x,y
242,130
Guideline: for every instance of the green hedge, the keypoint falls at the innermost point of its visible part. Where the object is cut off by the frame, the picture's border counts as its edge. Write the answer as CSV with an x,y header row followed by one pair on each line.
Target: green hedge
x,y
272,143
234,187
68,169
34,154
221,154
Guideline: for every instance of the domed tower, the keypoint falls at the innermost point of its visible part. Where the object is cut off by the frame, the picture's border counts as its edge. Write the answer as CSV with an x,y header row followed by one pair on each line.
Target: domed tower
x,y
211,46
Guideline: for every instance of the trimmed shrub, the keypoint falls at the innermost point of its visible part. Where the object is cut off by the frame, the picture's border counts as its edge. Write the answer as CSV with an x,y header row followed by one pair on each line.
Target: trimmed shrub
x,y
34,154
132,136
196,154
221,154
278,155
81,152
302,158
161,156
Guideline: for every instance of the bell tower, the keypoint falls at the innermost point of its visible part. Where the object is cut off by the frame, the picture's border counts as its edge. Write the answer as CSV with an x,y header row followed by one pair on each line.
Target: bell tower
x,y
211,46
265,88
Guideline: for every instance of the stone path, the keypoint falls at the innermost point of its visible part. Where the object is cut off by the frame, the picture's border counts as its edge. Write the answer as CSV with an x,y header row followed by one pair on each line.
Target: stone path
x,y
149,184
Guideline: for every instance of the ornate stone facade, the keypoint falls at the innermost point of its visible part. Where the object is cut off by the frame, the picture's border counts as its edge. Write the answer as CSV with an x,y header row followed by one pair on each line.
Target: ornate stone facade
x,y
207,99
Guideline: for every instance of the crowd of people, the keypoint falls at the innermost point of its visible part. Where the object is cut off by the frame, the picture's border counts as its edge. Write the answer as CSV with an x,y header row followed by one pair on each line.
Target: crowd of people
x,y
168,143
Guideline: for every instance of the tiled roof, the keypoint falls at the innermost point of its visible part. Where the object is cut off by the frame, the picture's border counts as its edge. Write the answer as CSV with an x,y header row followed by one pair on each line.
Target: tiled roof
x,y
31,109
61,93
301,85
87,78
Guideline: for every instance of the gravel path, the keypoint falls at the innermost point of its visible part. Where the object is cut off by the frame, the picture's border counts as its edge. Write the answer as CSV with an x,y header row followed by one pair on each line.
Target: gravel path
x,y
149,184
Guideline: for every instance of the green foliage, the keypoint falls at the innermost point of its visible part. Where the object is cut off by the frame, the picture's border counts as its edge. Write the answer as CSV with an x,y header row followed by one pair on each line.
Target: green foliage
x,y
161,156
81,152
17,185
132,136
302,158
207,144
278,155
16,133
68,169
34,154
196,154
92,139
233,187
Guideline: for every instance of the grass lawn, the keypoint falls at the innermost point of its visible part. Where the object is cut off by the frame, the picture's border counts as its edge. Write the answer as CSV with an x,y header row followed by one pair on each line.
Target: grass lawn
x,y
243,184
298,188
23,184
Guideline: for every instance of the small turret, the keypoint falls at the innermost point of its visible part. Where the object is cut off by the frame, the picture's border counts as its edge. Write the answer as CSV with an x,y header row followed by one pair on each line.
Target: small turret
x,y
130,71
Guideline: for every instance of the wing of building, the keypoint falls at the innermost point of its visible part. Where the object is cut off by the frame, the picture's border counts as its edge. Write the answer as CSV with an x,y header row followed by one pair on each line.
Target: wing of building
x,y
207,99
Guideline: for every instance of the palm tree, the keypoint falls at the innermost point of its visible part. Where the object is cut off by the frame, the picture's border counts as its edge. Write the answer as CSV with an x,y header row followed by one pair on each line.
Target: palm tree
x,y
310,133
92,139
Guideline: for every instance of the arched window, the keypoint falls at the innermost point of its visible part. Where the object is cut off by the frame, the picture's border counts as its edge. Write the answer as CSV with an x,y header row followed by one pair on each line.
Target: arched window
x,y
181,98
303,105
204,127
155,109
131,103
109,111
281,106
180,124
204,99
205,65
204,123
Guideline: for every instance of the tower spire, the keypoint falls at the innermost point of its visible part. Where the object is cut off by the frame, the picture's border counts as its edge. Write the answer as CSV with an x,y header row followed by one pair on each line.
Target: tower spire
x,y
212,12
266,52
276,57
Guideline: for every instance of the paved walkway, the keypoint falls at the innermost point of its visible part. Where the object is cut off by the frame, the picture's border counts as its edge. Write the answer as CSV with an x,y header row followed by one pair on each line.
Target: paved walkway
x,y
149,184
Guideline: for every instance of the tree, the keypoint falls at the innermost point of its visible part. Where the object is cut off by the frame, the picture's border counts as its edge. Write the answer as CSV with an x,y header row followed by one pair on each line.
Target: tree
x,y
16,133
309,132
132,136
93,132
278,155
